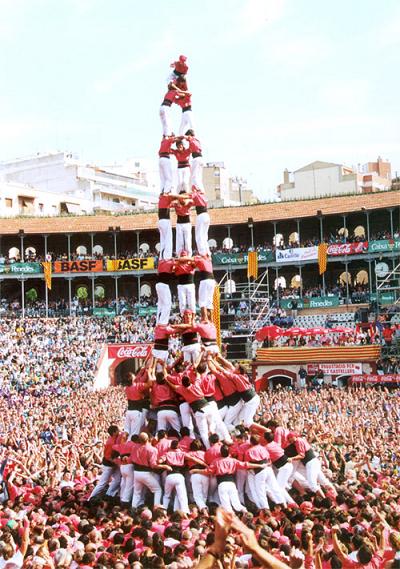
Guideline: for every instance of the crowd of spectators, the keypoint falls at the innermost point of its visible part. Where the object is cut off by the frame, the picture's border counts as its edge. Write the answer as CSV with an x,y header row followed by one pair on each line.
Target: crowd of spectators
x,y
53,426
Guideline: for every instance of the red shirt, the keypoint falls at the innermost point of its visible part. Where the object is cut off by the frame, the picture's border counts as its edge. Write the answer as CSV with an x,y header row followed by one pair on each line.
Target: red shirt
x,y
164,201
207,384
165,265
302,446
213,453
194,144
181,155
184,268
144,455
256,453
183,209
199,198
109,447
192,393
241,382
162,332
228,387
207,330
161,393
135,391
124,449
185,442
203,264
163,446
184,101
280,436
200,454
165,145
175,457
227,465
275,450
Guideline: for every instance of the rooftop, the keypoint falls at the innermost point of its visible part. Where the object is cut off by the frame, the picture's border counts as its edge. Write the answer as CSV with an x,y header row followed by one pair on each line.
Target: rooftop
x,y
279,211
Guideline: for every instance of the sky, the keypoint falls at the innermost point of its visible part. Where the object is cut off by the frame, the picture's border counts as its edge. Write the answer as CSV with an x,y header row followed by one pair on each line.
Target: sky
x,y
276,83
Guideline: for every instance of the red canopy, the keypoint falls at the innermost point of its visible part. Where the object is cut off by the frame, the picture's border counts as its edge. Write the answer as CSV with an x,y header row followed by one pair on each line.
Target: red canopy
x,y
270,332
317,331
295,331
342,330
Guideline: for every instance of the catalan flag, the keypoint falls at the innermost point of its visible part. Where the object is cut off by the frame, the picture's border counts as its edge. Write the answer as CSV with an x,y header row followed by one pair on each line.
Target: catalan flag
x,y
47,273
252,264
216,315
322,257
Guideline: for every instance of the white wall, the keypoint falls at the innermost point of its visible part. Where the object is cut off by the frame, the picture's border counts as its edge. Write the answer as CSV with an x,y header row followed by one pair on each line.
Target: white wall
x,y
320,182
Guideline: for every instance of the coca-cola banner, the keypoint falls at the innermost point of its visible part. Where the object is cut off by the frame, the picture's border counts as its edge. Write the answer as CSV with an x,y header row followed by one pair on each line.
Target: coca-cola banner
x,y
125,351
348,248
375,378
84,266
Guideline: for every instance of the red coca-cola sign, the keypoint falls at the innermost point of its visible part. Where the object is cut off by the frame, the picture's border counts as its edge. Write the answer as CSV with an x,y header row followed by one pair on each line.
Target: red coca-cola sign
x,y
348,248
125,351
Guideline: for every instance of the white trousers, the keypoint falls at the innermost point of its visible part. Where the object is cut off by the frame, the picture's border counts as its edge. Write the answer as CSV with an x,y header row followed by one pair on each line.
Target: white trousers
x,y
184,238
313,470
282,477
186,122
143,480
258,486
165,229
201,233
160,354
165,116
186,417
164,303
248,411
229,497
205,424
241,481
273,490
183,180
134,421
191,353
196,171
232,415
186,297
200,484
220,427
166,175
176,482
206,293
168,418
127,476
107,473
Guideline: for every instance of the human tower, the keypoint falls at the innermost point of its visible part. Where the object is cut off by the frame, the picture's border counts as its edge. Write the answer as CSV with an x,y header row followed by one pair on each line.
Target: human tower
x,y
183,195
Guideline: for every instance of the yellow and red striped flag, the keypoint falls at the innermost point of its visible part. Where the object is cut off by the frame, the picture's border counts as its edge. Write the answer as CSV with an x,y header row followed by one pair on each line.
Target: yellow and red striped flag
x,y
322,257
216,314
252,264
47,273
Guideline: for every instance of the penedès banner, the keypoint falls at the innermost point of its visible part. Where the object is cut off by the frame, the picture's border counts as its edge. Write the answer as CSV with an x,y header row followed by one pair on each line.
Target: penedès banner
x,y
294,255
375,378
240,258
84,266
313,302
337,249
135,264
382,245
22,268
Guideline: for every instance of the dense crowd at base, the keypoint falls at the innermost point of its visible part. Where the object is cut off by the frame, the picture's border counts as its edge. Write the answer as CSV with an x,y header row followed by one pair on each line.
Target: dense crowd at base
x,y
53,427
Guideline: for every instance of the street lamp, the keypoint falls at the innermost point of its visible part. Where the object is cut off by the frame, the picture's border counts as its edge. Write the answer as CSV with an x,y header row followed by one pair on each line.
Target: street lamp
x,y
250,225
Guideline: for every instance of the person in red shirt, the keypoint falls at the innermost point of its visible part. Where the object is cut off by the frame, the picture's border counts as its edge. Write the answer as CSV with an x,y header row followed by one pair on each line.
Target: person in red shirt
x,y
180,69
196,169
195,460
164,165
177,90
184,270
182,205
161,337
185,103
110,468
136,413
124,448
202,221
175,481
165,277
182,155
206,285
164,402
164,225
144,458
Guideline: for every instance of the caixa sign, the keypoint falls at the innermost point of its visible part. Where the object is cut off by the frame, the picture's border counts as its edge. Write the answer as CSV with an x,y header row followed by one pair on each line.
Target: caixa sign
x,y
127,351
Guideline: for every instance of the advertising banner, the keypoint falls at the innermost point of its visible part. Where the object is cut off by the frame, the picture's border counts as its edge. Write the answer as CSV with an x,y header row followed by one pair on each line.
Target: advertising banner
x,y
147,310
384,297
135,264
125,351
296,255
315,302
348,248
383,245
22,268
100,312
336,369
84,266
375,378
240,258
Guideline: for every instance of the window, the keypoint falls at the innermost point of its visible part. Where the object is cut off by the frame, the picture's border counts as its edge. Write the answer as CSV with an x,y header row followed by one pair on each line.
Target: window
x,y
8,202
116,200
41,207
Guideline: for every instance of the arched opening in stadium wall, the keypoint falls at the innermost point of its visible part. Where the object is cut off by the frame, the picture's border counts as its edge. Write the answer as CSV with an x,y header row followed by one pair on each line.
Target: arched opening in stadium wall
x,y
122,370
279,382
